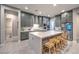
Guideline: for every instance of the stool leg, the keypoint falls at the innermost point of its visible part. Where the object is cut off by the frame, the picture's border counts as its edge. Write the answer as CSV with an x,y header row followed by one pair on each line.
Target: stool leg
x,y
49,51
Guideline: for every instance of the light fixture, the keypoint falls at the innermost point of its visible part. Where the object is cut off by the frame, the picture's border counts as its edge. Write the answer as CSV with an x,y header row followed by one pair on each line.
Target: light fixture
x,y
63,11
9,16
40,12
54,4
48,15
26,8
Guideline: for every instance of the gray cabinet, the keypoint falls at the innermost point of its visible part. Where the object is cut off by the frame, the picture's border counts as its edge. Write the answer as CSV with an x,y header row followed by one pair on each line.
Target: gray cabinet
x,y
26,20
35,21
24,35
57,21
40,21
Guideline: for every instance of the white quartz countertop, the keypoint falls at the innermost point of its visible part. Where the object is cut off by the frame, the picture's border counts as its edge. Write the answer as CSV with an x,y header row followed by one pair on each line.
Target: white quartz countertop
x,y
33,30
46,33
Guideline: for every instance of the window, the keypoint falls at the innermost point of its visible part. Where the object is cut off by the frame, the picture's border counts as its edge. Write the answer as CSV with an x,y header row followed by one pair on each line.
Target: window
x,y
52,23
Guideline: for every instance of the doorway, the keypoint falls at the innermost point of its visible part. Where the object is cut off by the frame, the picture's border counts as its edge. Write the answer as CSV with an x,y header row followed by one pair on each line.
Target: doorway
x,y
10,24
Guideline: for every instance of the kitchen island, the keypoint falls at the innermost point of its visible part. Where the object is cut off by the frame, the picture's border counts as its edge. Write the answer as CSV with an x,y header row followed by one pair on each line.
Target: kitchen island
x,y
36,39
26,30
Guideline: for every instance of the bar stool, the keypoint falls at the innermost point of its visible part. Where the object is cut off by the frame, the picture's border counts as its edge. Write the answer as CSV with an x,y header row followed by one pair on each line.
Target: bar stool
x,y
50,46
52,40
63,43
64,35
59,38
45,49
57,45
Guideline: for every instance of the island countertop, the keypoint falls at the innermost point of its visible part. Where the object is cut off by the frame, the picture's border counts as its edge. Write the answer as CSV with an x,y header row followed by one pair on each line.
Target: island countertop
x,y
46,33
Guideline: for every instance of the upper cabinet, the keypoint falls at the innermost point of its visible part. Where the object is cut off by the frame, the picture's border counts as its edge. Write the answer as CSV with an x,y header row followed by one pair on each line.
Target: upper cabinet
x,y
26,20
35,21
66,17
58,21
40,21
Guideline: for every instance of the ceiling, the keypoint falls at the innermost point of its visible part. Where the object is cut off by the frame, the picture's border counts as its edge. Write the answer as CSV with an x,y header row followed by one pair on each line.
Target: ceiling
x,y
45,9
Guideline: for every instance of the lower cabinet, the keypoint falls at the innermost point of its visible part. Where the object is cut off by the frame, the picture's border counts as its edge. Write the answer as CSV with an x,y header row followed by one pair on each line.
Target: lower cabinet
x,y
24,35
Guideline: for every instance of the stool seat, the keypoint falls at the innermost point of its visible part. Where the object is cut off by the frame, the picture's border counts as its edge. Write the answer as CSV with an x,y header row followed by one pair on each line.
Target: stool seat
x,y
49,45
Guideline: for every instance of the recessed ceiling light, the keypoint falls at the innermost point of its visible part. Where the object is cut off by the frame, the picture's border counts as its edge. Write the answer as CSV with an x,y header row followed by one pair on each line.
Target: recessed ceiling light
x,y
54,4
26,8
40,12
63,11
48,15
9,16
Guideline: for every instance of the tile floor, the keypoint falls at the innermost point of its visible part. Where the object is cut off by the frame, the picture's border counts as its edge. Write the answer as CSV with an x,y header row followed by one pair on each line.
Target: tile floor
x,y
73,49
23,48
16,48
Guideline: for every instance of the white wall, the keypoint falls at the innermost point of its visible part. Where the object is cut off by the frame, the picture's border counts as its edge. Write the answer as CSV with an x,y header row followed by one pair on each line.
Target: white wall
x,y
0,23
75,25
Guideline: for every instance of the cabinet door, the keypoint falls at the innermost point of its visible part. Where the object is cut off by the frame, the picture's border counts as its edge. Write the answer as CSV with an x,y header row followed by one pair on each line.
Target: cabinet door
x,y
40,21
24,35
26,20
45,20
35,19
57,21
